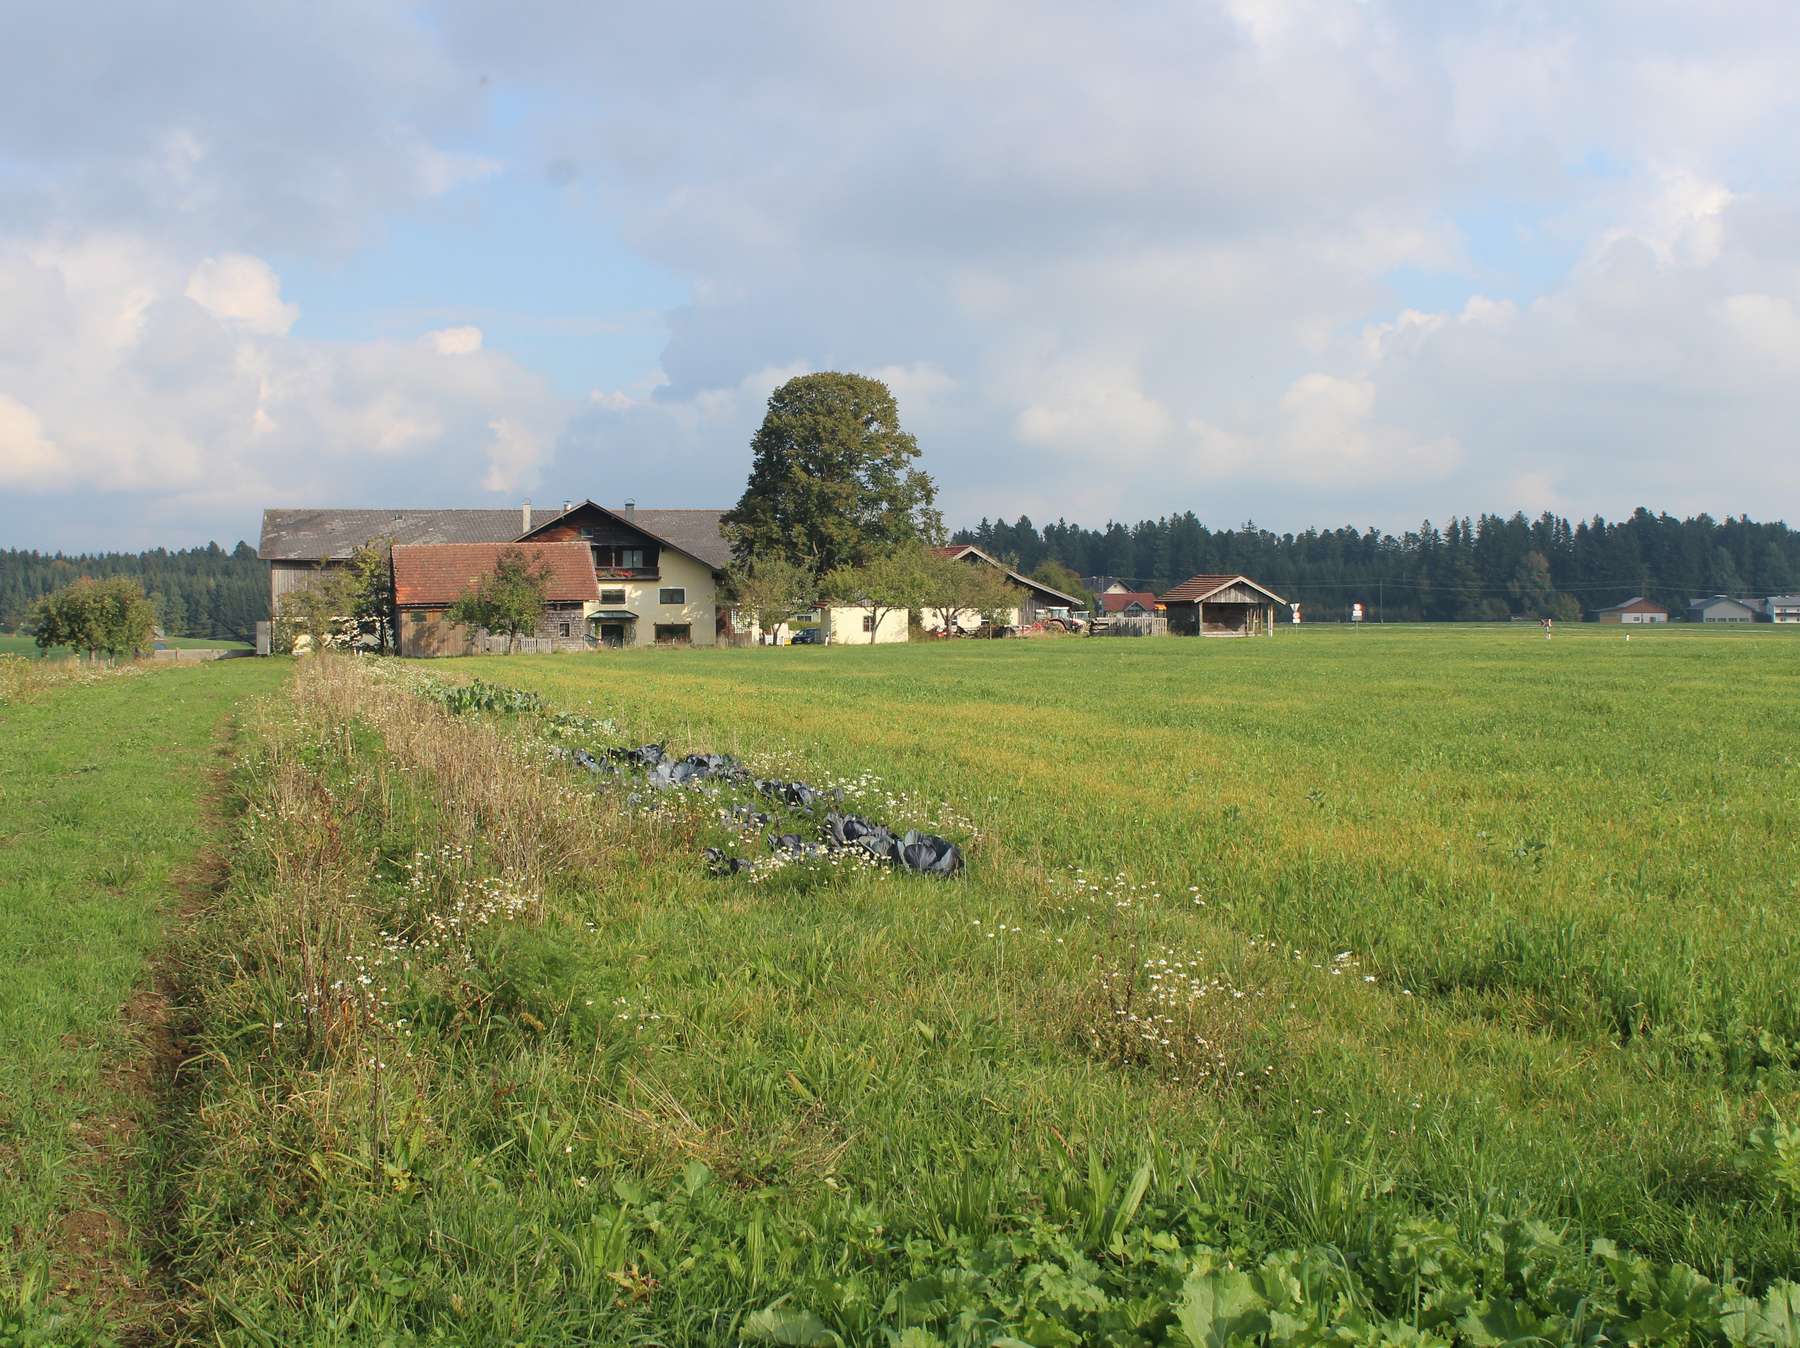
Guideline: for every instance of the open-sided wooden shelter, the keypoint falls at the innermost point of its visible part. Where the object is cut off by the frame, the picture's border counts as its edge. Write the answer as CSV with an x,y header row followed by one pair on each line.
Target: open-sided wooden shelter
x,y
1222,606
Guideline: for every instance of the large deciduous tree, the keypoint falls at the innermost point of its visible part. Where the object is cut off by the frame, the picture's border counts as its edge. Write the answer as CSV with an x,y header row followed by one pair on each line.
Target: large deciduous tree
x,y
99,617
509,599
833,478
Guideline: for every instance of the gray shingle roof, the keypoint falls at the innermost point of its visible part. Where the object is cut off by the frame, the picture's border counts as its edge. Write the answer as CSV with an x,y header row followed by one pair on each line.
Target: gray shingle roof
x,y
317,535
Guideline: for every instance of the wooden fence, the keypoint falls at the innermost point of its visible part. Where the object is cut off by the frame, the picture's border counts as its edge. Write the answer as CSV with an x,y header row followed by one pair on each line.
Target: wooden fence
x,y
1135,627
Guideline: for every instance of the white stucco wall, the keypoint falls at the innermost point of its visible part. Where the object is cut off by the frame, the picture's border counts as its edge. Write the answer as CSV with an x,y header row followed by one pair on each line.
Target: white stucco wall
x,y
642,597
846,626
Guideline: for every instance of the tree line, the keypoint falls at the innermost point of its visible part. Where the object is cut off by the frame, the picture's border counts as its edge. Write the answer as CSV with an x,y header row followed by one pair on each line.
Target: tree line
x,y
1491,567
194,592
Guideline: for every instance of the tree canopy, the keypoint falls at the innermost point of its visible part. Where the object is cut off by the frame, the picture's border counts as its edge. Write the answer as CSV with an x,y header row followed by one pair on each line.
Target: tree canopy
x,y
1487,567
833,478
101,617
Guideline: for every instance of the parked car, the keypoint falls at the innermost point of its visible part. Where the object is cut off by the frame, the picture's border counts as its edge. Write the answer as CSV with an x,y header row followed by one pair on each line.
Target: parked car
x,y
809,636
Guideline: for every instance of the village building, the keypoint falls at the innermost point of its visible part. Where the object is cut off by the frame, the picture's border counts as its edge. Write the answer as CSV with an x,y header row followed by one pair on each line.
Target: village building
x,y
1036,599
1780,608
658,572
1222,606
1720,608
1634,611
430,577
1123,603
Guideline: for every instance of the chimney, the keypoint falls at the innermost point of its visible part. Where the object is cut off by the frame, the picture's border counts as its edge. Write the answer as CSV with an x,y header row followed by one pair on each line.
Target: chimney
x,y
568,505
631,510
525,517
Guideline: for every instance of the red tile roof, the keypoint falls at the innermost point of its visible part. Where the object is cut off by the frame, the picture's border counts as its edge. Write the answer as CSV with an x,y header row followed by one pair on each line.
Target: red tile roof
x,y
427,574
1118,602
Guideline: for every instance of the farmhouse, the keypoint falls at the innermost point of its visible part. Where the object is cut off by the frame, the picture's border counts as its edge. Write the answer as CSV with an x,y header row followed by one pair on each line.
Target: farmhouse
x,y
1035,597
1720,608
658,571
1222,606
1635,610
429,577
1780,608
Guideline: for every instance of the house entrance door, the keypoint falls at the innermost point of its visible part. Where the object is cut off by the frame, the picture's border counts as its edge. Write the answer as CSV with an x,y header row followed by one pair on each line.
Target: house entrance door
x,y
612,634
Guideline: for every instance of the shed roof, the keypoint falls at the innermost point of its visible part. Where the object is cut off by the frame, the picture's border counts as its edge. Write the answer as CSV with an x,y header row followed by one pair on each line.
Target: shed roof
x,y
430,574
1713,600
1636,601
1198,589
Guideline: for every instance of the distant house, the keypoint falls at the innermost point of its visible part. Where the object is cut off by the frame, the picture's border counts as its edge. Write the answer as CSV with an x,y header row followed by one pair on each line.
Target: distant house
x,y
429,577
1222,606
1035,597
1720,608
1780,608
1123,603
1635,610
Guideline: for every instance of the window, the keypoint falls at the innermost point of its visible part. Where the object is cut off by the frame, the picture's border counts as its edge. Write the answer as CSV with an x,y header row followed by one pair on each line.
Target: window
x,y
868,622
562,629
611,557
667,632
613,596
671,595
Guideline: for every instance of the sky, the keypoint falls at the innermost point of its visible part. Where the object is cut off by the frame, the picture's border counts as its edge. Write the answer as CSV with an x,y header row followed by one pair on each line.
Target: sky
x,y
1301,262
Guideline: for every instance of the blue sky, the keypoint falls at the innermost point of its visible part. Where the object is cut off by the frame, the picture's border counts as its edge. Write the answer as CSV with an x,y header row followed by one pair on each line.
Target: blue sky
x,y
1303,261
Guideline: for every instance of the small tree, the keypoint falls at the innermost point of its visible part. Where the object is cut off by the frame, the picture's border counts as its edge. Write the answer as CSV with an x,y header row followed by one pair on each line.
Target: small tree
x,y
896,581
770,590
323,611
98,617
371,591
509,599
957,588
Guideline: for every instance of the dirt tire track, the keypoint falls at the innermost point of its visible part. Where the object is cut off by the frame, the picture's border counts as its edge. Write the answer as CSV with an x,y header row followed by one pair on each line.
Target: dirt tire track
x,y
95,1245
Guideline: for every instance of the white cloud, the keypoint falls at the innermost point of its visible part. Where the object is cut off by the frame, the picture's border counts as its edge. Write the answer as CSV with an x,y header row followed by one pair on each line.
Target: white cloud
x,y
462,341
210,400
27,456
243,290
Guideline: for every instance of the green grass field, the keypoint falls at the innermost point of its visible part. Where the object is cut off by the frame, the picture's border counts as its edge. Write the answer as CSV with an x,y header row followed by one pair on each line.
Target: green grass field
x,y
1410,986
100,788
17,643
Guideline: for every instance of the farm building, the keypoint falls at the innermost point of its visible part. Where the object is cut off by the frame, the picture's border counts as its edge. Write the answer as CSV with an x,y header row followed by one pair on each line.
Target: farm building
x,y
1222,606
429,577
1635,610
659,569
1720,608
1035,597
1780,608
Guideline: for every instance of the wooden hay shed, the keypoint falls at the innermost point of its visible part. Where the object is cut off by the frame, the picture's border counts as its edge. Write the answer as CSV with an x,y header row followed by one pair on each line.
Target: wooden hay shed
x,y
1222,606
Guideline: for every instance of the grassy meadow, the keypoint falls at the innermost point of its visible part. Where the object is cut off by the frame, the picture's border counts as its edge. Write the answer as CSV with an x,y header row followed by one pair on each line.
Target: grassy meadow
x,y
1404,986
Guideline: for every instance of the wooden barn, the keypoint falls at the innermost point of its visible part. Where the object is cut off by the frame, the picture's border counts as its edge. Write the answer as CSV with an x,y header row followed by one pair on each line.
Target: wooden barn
x,y
1222,606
